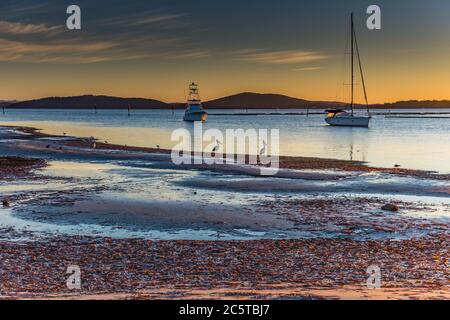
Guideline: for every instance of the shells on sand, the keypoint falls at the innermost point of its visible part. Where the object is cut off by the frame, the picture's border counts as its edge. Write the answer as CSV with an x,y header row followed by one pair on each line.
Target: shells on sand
x,y
6,203
390,207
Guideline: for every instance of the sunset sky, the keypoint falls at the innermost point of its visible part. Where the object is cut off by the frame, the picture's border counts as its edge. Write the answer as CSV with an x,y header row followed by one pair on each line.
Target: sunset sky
x,y
154,48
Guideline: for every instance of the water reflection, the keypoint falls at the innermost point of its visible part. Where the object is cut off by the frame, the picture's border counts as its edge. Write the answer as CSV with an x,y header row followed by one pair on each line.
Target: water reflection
x,y
411,143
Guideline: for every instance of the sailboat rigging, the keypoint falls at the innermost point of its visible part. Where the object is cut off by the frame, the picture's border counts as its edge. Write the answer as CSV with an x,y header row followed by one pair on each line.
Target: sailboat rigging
x,y
339,117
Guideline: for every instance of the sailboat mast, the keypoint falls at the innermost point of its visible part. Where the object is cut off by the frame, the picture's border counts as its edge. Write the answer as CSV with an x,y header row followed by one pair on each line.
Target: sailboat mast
x,y
362,73
352,59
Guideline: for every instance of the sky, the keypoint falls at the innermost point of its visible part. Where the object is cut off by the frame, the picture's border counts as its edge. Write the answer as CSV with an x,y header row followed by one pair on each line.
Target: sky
x,y
155,48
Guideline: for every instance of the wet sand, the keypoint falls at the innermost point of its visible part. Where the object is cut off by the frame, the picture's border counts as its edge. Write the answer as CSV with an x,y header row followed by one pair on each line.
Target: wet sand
x,y
13,167
294,269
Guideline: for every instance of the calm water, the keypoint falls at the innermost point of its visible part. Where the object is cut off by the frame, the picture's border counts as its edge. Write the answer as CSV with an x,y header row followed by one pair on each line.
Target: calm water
x,y
411,143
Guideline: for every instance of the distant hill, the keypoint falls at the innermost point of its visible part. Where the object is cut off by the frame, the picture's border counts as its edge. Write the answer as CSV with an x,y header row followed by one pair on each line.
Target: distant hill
x,y
249,100
415,104
245,100
239,101
4,103
89,102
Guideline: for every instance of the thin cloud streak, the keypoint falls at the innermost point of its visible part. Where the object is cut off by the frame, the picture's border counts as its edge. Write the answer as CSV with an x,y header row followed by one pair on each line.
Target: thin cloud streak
x,y
31,52
193,54
159,17
308,69
17,28
23,8
279,57
82,52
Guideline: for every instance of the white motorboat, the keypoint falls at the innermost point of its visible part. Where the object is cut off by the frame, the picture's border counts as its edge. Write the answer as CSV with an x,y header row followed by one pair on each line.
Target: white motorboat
x,y
194,111
342,118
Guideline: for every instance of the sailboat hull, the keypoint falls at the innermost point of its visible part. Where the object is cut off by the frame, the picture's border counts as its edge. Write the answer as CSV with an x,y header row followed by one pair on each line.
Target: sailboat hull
x,y
349,121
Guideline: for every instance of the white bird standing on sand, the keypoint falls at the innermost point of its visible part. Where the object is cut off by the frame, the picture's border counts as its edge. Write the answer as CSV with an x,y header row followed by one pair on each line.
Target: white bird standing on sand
x,y
262,152
217,147
90,141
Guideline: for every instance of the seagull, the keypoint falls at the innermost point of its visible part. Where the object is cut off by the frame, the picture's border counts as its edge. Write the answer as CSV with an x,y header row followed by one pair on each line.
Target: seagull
x,y
262,152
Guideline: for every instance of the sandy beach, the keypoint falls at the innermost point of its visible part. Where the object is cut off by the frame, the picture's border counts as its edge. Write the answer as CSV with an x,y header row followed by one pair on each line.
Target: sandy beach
x,y
295,269
124,218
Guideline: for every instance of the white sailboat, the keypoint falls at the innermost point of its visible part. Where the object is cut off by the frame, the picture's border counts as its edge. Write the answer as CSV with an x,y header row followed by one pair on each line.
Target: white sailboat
x,y
194,111
342,118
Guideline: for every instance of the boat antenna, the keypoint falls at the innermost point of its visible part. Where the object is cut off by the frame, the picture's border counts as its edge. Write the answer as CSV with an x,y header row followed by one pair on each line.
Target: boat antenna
x,y
362,73
352,62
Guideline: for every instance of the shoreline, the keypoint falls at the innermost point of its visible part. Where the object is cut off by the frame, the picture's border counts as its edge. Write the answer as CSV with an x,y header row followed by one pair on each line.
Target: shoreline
x,y
317,268
285,162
